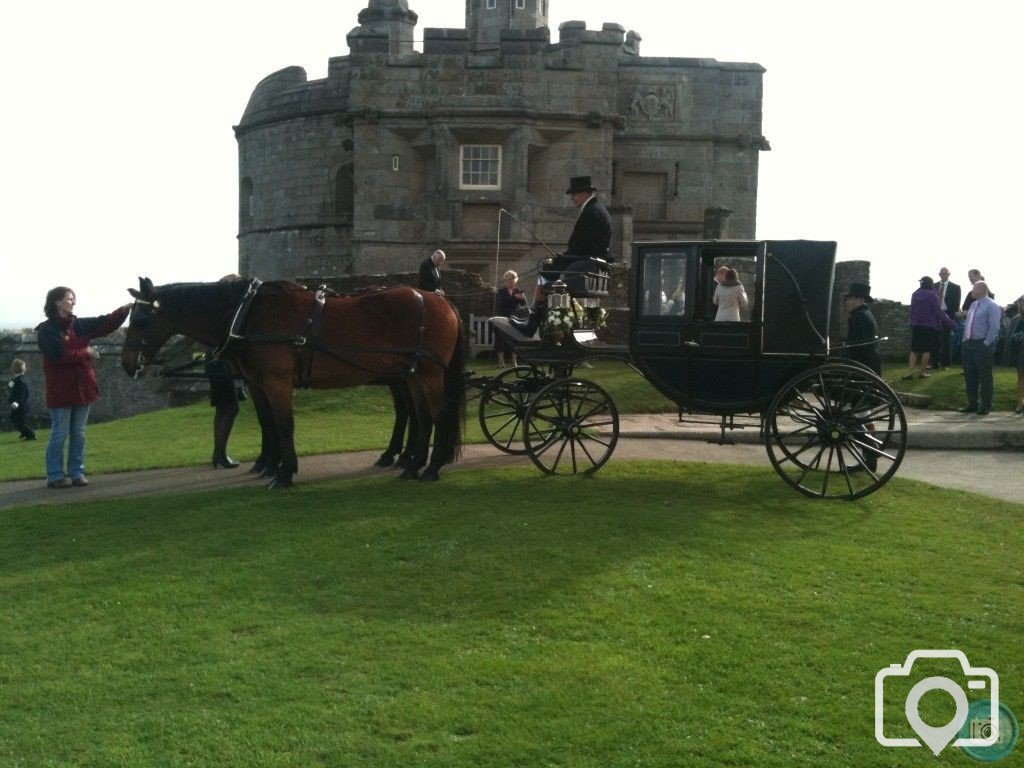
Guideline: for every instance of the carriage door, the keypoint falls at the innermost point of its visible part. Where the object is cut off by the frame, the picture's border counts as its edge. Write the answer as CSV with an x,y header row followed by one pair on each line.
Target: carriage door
x,y
725,341
662,302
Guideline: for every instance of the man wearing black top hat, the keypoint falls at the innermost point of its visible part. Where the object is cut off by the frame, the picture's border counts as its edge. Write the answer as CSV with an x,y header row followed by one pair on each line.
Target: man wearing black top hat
x,y
590,238
592,233
862,328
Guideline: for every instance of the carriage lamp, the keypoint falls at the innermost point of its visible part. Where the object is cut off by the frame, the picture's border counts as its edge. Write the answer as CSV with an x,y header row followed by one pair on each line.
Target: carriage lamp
x,y
558,295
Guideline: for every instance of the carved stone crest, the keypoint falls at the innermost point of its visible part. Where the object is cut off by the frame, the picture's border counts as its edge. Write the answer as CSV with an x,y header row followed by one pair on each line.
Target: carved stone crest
x,y
652,102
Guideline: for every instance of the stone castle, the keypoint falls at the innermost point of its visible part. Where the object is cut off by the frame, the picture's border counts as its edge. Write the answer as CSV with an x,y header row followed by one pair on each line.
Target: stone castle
x,y
397,152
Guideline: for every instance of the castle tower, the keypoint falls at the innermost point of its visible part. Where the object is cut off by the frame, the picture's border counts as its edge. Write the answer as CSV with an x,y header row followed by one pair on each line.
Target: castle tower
x,y
485,19
392,18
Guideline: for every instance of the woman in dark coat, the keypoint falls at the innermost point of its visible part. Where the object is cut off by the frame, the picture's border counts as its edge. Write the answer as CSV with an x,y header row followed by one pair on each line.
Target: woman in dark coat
x,y
927,318
508,299
70,380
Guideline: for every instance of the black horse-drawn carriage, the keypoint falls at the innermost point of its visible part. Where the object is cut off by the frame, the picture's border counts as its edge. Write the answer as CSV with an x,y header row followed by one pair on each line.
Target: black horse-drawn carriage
x,y
831,427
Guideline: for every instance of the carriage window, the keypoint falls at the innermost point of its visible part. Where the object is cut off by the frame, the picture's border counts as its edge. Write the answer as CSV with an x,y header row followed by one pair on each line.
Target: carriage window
x,y
664,288
729,286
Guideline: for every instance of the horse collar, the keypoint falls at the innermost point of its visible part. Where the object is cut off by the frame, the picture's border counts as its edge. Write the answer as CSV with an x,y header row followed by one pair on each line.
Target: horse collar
x,y
241,316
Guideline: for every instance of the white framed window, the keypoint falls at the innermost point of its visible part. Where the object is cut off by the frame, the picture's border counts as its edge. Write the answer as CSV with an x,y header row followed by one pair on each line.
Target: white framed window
x,y
520,5
492,4
480,166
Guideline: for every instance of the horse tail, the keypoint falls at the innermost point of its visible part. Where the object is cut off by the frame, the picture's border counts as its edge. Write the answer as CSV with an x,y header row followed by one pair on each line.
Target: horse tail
x,y
453,414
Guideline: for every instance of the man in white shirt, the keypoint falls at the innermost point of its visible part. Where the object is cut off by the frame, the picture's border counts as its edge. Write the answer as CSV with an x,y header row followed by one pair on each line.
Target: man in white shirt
x,y
978,351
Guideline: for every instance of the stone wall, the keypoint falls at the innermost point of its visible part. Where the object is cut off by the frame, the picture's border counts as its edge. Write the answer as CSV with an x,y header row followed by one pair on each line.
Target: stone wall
x,y
120,395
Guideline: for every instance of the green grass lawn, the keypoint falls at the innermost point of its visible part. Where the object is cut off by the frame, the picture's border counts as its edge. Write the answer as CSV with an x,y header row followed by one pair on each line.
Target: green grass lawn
x,y
326,421
946,388
654,615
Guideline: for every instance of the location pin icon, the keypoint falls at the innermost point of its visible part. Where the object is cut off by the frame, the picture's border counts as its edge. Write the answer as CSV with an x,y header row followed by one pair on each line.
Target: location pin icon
x,y
936,739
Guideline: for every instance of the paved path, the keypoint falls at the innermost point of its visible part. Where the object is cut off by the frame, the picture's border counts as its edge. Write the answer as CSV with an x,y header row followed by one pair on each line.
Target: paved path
x,y
985,469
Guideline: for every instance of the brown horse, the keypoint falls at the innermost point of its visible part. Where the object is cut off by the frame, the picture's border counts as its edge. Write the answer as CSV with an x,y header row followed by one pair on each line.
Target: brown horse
x,y
280,335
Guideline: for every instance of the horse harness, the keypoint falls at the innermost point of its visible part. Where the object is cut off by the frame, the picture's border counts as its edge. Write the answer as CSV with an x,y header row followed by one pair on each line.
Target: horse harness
x,y
309,344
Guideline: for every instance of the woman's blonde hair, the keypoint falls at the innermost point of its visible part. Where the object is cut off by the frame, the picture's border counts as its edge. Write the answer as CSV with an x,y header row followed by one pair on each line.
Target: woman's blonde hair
x,y
510,275
18,366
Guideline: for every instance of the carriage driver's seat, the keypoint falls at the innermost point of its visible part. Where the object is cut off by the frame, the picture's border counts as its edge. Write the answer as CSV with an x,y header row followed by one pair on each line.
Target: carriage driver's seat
x,y
586,277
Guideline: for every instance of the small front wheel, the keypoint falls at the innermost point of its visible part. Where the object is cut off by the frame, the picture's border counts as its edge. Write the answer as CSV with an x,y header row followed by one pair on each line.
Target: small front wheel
x,y
571,427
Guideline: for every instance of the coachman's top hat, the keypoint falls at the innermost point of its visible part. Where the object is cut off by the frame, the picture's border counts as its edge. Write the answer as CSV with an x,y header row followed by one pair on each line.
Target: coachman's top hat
x,y
859,291
580,184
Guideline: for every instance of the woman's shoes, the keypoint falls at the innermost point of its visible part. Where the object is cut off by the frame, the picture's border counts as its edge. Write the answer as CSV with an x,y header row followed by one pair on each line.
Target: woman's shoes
x,y
224,462
1019,410
925,374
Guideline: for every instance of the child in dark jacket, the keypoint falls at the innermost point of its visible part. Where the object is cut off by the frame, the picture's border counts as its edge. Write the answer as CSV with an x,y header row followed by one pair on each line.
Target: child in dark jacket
x,y
18,400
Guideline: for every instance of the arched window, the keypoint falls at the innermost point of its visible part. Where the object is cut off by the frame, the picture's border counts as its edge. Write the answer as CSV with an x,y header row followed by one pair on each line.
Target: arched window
x,y
344,192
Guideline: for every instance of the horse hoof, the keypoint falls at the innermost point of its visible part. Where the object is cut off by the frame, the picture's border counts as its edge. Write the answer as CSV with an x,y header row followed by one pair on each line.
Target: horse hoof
x,y
404,462
268,473
385,460
257,468
408,474
279,484
430,475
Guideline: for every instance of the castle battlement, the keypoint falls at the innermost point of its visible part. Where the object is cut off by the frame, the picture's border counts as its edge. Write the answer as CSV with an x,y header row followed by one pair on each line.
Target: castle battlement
x,y
397,151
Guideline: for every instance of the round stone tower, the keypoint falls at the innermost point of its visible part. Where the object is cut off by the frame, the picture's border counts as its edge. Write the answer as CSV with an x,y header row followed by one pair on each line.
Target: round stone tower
x,y
392,18
485,19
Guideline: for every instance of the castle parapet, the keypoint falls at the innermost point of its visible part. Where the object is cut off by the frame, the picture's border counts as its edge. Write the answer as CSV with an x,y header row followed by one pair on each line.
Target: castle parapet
x,y
525,42
445,41
576,33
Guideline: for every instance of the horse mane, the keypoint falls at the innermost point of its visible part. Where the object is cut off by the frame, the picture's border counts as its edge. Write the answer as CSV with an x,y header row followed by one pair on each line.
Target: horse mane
x,y
200,298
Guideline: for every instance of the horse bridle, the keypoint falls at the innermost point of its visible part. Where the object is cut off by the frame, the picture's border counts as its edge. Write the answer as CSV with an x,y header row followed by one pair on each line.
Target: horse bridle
x,y
234,334
138,321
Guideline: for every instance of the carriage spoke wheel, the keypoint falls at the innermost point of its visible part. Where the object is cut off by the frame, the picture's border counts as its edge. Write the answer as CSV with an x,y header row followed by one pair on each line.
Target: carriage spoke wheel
x,y
571,427
836,432
503,405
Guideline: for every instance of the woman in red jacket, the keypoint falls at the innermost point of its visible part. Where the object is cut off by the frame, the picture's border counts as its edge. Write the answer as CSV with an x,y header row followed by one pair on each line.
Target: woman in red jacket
x,y
70,380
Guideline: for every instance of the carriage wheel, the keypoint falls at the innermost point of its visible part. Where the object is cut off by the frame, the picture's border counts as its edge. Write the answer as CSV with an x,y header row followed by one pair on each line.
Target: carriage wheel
x,y
837,432
571,427
503,405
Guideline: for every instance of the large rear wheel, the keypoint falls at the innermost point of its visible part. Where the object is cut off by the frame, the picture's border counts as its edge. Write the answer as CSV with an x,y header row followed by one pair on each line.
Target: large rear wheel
x,y
837,431
572,427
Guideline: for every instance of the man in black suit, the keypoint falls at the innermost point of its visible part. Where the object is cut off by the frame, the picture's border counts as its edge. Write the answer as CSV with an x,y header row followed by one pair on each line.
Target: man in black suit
x,y
949,297
592,233
430,272
590,238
